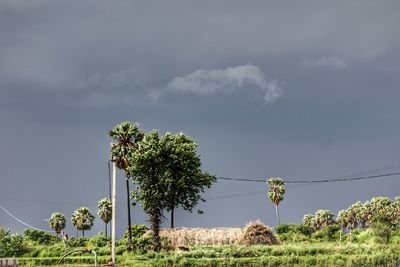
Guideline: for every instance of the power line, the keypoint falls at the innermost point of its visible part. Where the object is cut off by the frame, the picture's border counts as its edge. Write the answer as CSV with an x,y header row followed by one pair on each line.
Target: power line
x,y
314,181
15,218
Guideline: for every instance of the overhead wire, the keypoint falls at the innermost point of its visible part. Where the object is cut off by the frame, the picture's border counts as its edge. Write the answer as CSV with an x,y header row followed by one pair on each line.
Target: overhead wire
x,y
314,181
19,220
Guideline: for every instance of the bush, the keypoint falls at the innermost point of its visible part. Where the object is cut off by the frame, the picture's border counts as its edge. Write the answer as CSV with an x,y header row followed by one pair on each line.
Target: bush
x,y
293,232
327,234
382,229
138,230
40,237
99,241
78,242
365,237
11,245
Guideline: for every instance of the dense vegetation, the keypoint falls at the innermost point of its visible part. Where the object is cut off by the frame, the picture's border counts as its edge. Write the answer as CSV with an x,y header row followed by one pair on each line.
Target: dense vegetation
x,y
319,241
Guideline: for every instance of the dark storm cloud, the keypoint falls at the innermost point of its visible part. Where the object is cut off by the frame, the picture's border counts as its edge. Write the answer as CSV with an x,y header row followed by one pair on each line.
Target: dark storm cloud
x,y
71,70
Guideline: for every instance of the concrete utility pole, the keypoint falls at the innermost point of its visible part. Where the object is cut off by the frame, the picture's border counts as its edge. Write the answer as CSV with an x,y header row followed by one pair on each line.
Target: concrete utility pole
x,y
114,188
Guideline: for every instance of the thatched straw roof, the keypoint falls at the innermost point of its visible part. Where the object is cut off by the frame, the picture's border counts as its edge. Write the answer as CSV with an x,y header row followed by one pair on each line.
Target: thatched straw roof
x,y
186,237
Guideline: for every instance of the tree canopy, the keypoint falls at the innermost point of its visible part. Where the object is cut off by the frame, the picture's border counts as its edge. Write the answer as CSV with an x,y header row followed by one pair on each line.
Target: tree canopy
x,y
82,219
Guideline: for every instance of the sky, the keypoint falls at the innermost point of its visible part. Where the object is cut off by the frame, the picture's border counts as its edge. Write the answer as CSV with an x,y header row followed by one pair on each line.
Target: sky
x,y
291,89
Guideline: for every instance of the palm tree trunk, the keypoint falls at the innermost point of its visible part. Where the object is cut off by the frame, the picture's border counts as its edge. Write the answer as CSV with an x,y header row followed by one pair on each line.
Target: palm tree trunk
x,y
106,229
172,218
83,233
277,215
340,236
129,215
77,232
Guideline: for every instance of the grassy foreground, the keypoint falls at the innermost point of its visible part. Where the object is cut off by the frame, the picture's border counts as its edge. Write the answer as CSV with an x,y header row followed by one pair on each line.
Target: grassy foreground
x,y
322,254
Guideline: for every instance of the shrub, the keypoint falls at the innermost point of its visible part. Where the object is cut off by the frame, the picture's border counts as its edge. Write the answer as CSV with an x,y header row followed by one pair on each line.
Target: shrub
x,y
40,237
382,229
138,230
329,233
78,242
293,232
99,240
11,245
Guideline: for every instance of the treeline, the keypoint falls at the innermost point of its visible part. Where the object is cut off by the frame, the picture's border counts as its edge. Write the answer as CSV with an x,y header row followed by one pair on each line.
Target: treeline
x,y
82,219
376,220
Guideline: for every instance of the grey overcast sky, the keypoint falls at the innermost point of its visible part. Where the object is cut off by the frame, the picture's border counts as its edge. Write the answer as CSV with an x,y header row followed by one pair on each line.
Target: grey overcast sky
x,y
296,89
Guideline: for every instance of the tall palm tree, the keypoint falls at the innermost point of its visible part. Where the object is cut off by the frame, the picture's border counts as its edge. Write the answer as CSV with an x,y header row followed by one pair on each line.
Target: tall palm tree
x,y
276,193
342,221
105,211
82,219
351,218
126,135
57,222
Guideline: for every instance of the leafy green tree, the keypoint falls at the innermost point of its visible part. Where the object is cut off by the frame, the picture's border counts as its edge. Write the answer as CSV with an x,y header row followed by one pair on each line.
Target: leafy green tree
x,y
57,222
276,193
105,211
126,136
184,169
82,219
152,166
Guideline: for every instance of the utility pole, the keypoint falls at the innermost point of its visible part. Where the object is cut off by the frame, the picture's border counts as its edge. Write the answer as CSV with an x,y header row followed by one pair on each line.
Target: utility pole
x,y
114,188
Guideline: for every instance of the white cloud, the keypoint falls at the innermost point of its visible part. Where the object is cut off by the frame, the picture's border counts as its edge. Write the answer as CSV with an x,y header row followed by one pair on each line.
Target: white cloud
x,y
327,62
208,82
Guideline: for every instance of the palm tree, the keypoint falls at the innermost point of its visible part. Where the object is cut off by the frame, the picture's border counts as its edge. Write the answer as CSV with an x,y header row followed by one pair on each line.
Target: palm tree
x,y
105,211
351,218
361,214
276,193
380,206
82,219
324,218
57,222
342,221
309,220
126,135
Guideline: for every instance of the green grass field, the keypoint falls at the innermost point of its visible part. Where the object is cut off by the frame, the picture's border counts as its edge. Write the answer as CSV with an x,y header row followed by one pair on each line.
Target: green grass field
x,y
322,254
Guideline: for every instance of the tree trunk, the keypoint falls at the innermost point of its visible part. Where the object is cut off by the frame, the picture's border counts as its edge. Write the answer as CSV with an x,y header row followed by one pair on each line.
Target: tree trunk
x,y
83,233
340,236
155,220
172,218
77,232
128,200
277,215
106,229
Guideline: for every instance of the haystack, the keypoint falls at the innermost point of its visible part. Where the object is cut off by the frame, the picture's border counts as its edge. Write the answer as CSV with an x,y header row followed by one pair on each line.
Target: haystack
x,y
257,233
187,237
